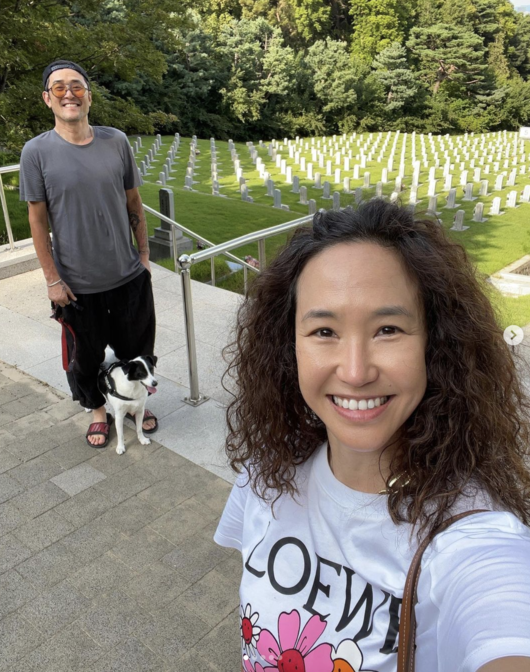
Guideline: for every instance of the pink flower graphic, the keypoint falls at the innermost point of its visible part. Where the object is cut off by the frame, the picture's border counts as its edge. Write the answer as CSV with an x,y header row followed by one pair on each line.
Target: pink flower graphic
x,y
249,667
295,653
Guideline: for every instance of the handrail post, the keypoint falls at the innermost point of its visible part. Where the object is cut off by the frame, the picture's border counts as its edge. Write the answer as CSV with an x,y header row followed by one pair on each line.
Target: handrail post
x,y
175,249
261,254
195,398
245,280
6,216
212,268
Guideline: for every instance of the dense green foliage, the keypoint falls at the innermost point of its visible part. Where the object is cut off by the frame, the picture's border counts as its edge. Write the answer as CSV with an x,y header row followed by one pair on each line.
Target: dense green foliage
x,y
271,68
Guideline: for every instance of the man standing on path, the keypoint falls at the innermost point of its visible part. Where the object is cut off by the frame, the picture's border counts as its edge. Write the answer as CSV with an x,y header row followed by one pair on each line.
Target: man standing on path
x,y
82,180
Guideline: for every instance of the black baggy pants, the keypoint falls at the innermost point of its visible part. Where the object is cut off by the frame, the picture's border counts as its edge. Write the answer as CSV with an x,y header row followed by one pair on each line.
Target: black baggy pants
x,y
123,318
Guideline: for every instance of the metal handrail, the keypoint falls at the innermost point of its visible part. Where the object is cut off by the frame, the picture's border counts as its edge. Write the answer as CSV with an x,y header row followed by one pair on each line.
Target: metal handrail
x,y
7,169
185,263
175,225
249,238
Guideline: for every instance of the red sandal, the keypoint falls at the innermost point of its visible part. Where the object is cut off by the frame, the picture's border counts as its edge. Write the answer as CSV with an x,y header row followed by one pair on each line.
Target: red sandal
x,y
100,429
148,415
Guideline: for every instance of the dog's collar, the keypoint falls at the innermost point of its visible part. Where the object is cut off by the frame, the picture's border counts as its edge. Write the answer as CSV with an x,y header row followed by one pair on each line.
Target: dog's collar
x,y
109,382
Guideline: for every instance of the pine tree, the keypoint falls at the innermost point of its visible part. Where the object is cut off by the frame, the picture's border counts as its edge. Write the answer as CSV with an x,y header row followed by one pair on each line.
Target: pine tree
x,y
392,71
449,57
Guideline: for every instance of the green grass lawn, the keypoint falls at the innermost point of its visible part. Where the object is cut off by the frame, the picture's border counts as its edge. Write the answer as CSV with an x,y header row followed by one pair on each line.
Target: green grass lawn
x,y
492,245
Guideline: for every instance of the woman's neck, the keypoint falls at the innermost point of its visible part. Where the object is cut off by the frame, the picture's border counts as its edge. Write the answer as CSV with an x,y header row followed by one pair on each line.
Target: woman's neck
x,y
361,471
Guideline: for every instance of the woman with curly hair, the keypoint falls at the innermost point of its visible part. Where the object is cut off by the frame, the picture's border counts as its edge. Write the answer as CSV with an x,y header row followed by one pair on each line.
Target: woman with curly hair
x,y
376,398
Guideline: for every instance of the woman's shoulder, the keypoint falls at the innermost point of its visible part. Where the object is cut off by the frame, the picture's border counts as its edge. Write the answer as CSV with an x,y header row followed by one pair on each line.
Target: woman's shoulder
x,y
495,535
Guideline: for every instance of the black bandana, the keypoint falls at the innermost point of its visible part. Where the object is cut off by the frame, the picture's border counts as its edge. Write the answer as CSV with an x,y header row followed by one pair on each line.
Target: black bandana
x,y
60,65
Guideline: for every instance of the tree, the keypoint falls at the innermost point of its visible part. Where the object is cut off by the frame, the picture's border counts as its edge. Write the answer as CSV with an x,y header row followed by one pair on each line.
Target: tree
x,y
113,37
261,69
447,56
398,81
333,78
378,23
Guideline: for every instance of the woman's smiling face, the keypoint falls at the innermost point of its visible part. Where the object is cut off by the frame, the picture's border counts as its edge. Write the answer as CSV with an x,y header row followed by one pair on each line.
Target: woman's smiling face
x,y
360,344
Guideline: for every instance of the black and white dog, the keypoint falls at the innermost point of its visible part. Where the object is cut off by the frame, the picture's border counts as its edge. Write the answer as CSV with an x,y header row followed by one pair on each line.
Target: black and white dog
x,y
125,385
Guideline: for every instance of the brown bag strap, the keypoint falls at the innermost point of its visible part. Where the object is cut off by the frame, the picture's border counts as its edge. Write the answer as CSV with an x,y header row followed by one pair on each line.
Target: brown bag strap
x,y
407,622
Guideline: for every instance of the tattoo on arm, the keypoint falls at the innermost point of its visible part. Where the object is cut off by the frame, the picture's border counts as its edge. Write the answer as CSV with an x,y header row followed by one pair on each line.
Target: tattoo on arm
x,y
134,221
139,227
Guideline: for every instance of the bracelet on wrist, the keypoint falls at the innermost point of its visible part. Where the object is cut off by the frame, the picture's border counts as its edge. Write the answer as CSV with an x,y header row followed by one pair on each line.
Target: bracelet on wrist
x,y
55,283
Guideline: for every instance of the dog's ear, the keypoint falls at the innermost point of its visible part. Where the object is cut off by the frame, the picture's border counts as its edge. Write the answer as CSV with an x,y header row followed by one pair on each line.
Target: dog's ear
x,y
131,369
151,359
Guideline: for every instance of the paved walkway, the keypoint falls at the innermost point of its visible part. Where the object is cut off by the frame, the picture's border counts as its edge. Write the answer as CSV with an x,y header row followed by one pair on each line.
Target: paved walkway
x,y
107,562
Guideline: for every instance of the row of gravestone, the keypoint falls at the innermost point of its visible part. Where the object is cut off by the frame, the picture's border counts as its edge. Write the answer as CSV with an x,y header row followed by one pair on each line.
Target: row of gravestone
x,y
276,193
510,148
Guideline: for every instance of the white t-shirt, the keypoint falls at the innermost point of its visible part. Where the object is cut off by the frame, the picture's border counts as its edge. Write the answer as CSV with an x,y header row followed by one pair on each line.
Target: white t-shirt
x,y
323,580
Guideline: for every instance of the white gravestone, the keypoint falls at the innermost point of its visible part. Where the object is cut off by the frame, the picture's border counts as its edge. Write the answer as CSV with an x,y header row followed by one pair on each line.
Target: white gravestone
x,y
244,194
336,201
499,183
270,188
278,201
451,200
312,206
327,191
484,186
468,192
476,175
296,185
525,198
496,206
511,201
303,195
309,171
448,183
379,190
289,175
432,188
384,176
458,223
318,181
356,169
478,213
358,195
413,196
433,205
346,188
463,178
366,183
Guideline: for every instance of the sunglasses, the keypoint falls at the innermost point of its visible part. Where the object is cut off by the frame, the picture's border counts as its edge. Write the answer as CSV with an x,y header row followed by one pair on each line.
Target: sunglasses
x,y
59,90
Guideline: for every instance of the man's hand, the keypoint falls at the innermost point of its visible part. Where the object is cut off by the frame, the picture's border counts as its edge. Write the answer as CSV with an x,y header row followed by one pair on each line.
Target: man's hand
x,y
61,294
145,261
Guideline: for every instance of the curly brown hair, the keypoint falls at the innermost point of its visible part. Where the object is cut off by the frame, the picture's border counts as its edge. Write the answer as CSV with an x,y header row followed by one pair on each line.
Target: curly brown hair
x,y
472,425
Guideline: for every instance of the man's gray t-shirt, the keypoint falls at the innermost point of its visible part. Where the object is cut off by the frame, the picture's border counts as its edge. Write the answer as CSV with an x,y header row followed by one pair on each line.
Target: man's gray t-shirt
x,y
84,190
